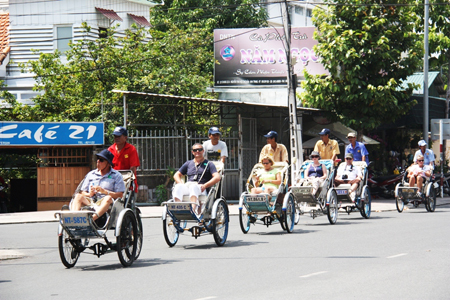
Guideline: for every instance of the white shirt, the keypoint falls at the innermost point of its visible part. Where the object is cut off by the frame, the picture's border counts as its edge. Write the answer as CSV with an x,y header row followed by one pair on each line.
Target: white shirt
x,y
215,152
350,170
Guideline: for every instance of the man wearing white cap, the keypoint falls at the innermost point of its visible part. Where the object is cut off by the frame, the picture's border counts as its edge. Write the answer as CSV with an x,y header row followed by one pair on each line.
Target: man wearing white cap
x,y
427,154
356,148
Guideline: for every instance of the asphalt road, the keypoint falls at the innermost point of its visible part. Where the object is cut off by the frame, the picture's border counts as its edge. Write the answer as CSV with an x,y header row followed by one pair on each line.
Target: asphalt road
x,y
390,256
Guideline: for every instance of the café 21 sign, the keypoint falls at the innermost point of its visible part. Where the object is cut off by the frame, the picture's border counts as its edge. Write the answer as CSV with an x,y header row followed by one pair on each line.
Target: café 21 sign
x,y
51,133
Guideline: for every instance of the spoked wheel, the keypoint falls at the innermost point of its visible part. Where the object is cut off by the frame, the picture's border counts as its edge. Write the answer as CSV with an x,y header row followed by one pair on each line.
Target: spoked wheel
x,y
283,225
244,219
140,235
430,203
366,203
171,233
67,252
127,240
399,203
220,224
332,211
289,214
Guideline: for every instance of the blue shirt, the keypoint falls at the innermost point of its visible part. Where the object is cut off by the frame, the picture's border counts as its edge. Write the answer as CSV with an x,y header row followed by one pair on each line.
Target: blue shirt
x,y
428,156
194,173
358,151
113,181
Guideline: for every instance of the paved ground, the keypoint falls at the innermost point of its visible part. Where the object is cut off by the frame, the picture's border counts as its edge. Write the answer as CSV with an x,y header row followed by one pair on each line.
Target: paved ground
x,y
378,206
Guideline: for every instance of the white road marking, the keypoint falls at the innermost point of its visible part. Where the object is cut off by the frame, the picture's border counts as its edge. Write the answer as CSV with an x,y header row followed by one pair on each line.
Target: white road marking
x,y
313,274
207,298
398,255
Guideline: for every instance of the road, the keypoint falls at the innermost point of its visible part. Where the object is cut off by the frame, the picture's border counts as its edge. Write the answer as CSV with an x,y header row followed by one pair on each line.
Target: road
x,y
390,256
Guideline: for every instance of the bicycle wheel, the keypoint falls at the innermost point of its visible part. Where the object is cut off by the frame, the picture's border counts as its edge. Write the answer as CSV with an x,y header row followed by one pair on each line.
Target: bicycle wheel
x,y
171,233
399,204
431,201
366,203
127,239
140,235
289,214
67,252
332,211
244,219
220,223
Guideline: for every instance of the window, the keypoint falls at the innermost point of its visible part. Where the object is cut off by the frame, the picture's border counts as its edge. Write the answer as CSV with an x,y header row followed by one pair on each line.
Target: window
x,y
63,37
299,10
309,13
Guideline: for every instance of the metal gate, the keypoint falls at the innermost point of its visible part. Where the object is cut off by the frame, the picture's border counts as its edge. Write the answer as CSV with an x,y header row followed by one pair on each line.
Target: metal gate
x,y
248,152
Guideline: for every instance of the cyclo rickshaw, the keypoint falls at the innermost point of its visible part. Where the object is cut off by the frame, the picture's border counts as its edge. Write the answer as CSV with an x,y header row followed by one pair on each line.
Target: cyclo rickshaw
x,y
363,199
214,216
77,229
323,202
263,208
404,194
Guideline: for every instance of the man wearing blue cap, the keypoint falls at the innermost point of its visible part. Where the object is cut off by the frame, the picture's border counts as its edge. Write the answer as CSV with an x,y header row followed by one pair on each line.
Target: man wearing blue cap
x,y
328,149
125,154
100,186
277,152
215,149
427,154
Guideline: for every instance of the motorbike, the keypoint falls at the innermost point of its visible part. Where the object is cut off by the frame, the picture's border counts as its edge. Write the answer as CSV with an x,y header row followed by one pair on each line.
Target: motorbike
x,y
442,184
384,186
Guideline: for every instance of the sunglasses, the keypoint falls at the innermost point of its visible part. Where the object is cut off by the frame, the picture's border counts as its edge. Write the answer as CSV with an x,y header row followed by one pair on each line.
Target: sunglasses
x,y
100,159
314,156
348,158
197,150
420,160
265,163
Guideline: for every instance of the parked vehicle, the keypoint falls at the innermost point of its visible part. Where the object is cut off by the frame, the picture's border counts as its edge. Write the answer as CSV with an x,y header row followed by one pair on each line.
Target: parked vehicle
x,y
384,186
443,186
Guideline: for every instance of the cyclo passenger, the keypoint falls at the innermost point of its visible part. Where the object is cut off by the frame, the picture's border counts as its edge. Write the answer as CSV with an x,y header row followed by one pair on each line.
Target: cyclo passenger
x,y
350,174
419,173
267,181
202,174
316,173
100,187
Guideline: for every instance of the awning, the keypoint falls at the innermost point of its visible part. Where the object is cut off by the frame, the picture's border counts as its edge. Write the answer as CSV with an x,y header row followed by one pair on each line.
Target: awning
x,y
140,20
109,13
338,132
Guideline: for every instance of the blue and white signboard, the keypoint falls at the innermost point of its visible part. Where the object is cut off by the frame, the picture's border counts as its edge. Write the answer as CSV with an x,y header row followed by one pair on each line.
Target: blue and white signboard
x,y
51,133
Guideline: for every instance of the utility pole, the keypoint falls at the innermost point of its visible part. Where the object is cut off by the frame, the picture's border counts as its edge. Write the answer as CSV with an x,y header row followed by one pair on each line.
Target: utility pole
x,y
295,155
425,75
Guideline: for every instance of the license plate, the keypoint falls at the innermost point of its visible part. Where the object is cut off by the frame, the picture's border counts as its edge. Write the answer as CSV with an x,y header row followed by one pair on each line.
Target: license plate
x,y
256,199
408,190
77,220
342,192
301,190
179,206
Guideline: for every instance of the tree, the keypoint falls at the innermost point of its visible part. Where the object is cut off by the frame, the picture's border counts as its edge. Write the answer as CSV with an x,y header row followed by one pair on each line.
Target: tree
x,y
175,57
369,48
438,37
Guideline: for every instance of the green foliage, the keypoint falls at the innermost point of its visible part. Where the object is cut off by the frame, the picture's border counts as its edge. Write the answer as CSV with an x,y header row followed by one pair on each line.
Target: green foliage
x,y
369,49
161,193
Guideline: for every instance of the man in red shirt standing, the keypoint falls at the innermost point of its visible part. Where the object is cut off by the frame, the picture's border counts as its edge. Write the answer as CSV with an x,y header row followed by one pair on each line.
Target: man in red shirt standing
x,y
125,154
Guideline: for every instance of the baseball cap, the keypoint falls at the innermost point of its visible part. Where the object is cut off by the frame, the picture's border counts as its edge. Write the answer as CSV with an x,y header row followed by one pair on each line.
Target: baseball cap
x,y
348,155
118,131
325,131
351,134
422,143
213,130
271,134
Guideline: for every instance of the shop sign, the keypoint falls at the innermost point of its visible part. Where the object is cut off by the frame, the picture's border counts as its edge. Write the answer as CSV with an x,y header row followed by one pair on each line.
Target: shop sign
x,y
51,133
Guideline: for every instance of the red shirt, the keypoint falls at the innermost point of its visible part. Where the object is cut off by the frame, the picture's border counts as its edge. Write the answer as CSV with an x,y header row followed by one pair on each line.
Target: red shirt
x,y
127,158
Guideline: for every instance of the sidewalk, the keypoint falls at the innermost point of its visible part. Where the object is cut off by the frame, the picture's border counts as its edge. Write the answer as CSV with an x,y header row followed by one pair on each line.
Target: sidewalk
x,y
378,205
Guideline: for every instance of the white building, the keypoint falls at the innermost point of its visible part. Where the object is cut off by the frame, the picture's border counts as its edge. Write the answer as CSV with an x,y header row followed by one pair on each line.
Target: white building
x,y
49,25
